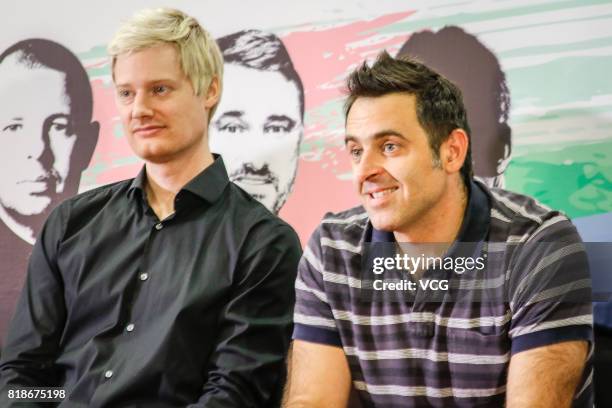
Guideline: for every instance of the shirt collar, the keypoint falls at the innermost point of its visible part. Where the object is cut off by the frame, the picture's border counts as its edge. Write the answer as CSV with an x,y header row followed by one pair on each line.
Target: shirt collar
x,y
475,224
208,184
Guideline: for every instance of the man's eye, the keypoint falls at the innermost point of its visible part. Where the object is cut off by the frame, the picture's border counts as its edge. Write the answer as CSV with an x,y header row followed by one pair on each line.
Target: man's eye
x,y
123,93
160,89
13,127
355,153
389,147
232,128
58,127
276,129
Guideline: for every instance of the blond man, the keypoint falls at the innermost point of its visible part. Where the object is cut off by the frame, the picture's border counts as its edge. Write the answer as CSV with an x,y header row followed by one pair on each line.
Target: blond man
x,y
170,289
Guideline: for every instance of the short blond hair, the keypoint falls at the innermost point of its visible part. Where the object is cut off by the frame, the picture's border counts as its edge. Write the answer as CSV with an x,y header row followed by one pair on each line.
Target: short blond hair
x,y
200,57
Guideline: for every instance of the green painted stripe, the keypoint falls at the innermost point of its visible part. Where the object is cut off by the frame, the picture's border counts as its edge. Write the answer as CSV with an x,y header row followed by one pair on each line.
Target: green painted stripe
x,y
556,114
546,23
98,51
593,151
465,18
563,80
574,178
551,49
99,72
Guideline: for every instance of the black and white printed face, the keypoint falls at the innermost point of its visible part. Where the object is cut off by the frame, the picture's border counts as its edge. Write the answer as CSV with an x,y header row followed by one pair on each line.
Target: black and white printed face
x,y
35,137
257,129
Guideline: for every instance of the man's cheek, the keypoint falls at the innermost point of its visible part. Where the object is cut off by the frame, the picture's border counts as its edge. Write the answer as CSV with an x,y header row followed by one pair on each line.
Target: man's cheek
x,y
62,152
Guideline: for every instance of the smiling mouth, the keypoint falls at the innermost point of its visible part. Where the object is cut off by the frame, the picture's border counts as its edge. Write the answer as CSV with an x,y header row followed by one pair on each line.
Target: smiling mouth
x,y
382,193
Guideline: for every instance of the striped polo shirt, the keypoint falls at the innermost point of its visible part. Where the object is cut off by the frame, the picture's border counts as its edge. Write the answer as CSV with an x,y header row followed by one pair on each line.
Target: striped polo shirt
x,y
454,351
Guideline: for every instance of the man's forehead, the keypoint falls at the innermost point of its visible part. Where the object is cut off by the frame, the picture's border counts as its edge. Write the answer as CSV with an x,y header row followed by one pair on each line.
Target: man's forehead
x,y
13,69
372,110
152,64
32,90
370,118
247,90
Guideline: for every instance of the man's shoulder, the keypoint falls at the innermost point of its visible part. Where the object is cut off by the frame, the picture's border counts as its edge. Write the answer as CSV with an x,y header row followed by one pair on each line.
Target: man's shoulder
x,y
347,226
100,192
523,216
91,199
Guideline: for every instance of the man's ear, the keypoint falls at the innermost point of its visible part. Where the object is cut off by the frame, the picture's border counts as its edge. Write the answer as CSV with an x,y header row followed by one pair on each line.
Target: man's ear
x,y
213,93
454,150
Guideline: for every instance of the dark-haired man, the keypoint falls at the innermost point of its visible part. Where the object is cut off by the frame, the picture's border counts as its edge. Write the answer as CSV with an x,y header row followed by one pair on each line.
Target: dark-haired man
x,y
47,140
515,331
259,138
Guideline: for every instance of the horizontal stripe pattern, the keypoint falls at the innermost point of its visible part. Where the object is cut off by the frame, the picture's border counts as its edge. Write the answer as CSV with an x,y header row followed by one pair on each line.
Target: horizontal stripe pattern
x,y
428,391
401,352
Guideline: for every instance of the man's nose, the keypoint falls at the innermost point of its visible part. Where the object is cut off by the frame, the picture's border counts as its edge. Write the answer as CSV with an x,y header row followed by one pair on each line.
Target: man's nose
x,y
141,106
368,166
40,149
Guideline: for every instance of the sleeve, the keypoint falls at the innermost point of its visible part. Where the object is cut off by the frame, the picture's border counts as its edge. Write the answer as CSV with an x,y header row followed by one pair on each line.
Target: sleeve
x,y
247,368
314,320
550,288
28,360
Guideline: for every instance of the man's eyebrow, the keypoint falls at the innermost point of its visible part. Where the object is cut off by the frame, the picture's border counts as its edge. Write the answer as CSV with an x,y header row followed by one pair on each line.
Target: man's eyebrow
x,y
378,135
148,83
281,118
58,115
17,118
232,114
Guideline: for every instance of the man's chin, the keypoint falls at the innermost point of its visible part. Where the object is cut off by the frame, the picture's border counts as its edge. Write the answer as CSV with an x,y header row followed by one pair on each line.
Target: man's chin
x,y
36,205
155,157
382,222
264,193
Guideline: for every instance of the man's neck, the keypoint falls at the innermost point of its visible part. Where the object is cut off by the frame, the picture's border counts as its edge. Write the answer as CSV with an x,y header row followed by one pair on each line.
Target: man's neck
x,y
442,222
165,180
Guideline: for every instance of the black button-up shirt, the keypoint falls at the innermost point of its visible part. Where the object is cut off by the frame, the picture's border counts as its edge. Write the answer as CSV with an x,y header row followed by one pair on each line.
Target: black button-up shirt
x,y
123,309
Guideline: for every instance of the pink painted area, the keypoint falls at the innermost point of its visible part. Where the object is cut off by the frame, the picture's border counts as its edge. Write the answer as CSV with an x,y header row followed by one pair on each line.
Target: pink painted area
x,y
323,58
110,148
314,194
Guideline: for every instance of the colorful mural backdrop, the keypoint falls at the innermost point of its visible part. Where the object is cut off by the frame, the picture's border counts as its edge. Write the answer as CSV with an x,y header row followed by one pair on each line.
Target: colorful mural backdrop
x,y
556,56
535,76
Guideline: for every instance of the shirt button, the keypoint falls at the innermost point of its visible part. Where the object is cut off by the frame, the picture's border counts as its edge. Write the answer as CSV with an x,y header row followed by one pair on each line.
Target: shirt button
x,y
159,226
129,327
108,374
144,276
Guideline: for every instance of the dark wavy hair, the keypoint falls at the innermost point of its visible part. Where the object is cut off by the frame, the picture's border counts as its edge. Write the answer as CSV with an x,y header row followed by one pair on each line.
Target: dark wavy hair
x,y
439,105
38,52
262,51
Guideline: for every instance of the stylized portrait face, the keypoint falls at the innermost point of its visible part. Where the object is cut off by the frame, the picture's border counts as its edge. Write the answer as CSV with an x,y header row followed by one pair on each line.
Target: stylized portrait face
x,y
36,137
257,129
